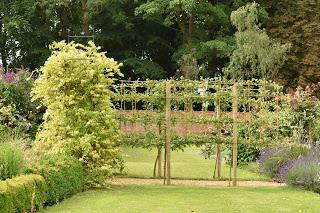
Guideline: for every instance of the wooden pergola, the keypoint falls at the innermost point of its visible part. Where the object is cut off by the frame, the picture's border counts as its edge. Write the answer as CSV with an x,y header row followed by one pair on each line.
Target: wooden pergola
x,y
173,113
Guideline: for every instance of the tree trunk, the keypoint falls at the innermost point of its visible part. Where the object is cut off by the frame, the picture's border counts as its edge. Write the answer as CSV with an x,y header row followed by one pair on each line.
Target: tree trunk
x,y
181,19
155,166
3,52
159,162
3,58
190,31
64,23
182,26
218,161
186,32
85,17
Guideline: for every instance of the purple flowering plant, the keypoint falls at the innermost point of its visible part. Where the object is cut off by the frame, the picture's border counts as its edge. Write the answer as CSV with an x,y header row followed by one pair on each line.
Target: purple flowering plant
x,y
8,77
15,87
276,162
305,172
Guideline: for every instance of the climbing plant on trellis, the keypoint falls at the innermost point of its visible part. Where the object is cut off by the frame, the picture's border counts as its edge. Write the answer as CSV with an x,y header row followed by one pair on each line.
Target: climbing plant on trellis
x,y
174,114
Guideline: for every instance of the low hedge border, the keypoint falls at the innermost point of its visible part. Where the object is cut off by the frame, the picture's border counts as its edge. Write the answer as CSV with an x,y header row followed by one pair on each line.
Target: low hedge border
x,y
25,193
63,175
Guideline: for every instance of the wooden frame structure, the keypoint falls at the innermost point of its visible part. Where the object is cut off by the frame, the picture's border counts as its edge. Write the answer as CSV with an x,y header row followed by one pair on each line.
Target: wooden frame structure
x,y
173,114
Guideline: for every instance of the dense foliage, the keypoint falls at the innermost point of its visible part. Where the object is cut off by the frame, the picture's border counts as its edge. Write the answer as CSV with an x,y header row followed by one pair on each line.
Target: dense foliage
x,y
157,39
296,22
63,176
246,154
256,55
147,129
79,120
22,194
204,31
17,113
151,37
297,163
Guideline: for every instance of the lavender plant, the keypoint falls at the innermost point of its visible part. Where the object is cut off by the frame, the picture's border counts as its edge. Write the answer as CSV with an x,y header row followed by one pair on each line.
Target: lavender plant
x,y
274,161
285,169
305,173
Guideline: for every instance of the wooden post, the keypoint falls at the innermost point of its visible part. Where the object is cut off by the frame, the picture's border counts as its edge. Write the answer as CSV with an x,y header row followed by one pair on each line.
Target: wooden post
x,y
159,158
218,160
168,132
159,162
165,166
235,133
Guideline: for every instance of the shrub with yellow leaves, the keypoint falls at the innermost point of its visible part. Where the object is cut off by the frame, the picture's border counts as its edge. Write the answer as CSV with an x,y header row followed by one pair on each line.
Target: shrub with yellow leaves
x,y
80,119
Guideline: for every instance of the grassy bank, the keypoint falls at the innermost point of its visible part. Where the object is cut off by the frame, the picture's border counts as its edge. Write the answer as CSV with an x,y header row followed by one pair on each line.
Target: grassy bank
x,y
131,199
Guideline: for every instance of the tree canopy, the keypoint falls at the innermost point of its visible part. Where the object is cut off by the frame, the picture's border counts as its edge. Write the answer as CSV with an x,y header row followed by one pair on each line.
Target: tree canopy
x,y
153,38
256,55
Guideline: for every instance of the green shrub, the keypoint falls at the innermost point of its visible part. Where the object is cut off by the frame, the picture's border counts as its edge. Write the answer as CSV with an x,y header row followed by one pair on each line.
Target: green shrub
x,y
246,154
274,163
63,175
11,161
22,194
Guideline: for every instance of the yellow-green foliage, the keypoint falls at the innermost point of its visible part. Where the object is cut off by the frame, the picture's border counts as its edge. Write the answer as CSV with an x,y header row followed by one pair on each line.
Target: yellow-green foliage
x,y
80,119
21,194
6,113
7,116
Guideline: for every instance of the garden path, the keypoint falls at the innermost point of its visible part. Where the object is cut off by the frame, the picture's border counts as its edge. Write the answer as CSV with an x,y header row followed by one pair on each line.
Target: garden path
x,y
144,181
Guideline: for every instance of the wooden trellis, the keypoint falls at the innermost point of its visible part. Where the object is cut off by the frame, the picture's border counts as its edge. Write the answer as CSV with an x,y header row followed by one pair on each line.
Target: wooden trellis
x,y
173,114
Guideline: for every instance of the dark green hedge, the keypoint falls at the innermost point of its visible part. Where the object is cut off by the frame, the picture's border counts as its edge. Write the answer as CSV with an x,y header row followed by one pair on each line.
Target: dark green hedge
x,y
63,175
22,193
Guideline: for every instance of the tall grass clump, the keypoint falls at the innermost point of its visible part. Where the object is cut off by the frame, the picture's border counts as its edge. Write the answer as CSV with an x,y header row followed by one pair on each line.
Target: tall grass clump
x,y
11,161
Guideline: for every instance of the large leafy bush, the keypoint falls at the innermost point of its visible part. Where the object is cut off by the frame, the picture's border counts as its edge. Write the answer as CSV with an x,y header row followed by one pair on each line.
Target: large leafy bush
x,y
80,119
246,154
63,175
11,161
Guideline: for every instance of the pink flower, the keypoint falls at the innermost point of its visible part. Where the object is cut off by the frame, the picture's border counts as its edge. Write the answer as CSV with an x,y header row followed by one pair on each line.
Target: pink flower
x,y
8,77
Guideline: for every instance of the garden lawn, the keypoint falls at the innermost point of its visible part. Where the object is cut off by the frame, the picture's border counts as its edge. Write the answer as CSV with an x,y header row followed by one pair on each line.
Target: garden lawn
x,y
189,164
175,199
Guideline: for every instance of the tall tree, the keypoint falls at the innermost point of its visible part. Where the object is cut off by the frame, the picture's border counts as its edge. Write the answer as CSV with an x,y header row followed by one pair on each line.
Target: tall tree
x,y
28,27
256,55
85,15
144,47
297,22
205,32
14,22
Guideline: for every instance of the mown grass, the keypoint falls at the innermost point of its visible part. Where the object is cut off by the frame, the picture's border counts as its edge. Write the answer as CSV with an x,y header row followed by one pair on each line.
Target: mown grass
x,y
189,164
176,199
